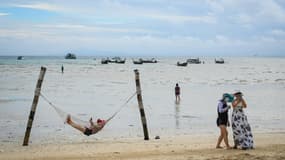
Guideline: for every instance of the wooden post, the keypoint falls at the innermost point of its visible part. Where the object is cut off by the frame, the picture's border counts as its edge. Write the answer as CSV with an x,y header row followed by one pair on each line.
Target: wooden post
x,y
139,97
34,106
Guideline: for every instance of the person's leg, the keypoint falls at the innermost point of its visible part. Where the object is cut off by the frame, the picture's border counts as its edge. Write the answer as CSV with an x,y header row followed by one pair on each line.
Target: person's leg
x,y
220,138
235,145
74,125
225,136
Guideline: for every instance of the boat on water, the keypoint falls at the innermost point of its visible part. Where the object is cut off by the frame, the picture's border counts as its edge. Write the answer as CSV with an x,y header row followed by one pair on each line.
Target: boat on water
x,y
121,61
183,64
138,61
219,61
194,61
20,58
117,60
153,60
105,61
113,60
70,56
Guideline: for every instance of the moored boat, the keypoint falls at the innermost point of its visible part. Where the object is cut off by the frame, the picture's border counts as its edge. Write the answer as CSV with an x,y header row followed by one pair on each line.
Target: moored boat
x,y
120,61
138,61
183,64
194,61
70,56
153,60
20,58
219,61
113,60
105,61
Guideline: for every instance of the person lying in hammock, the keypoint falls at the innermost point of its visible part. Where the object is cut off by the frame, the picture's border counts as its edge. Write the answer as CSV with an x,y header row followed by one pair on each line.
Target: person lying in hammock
x,y
92,129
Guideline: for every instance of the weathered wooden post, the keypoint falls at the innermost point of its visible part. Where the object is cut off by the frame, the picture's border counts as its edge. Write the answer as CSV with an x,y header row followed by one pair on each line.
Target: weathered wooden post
x,y
139,97
34,106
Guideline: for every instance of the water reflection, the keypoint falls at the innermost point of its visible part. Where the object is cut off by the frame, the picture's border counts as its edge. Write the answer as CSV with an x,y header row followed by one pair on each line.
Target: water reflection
x,y
177,113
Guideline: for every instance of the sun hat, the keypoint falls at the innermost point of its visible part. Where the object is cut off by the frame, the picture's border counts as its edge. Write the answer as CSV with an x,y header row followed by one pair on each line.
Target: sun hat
x,y
228,97
238,93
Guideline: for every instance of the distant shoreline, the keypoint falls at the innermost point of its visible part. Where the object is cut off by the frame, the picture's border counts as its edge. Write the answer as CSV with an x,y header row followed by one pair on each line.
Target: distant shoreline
x,y
146,56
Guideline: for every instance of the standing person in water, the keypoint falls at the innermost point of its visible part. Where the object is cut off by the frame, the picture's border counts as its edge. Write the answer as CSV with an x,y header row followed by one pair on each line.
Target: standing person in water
x,y
62,69
223,122
177,93
92,129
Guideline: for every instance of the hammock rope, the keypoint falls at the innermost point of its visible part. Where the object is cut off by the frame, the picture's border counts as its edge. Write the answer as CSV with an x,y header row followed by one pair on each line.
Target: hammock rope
x,y
63,114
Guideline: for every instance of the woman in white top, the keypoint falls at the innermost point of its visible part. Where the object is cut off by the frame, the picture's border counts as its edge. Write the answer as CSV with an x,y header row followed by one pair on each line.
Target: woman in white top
x,y
241,129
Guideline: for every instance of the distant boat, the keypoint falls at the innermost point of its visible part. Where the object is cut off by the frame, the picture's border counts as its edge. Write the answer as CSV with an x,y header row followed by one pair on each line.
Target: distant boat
x,y
138,61
105,61
117,60
120,61
20,58
183,64
194,61
219,61
113,60
153,60
70,56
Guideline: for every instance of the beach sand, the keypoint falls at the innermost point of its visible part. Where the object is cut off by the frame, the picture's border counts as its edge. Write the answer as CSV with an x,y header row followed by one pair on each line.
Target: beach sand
x,y
185,147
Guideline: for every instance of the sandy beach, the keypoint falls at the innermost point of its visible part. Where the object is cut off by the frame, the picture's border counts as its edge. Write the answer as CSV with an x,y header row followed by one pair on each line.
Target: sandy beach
x,y
267,146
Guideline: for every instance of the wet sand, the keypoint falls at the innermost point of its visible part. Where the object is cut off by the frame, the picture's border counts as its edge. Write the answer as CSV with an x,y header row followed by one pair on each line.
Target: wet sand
x,y
186,147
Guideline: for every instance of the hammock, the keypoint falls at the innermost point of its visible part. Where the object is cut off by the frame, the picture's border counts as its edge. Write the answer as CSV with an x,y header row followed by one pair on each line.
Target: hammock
x,y
63,115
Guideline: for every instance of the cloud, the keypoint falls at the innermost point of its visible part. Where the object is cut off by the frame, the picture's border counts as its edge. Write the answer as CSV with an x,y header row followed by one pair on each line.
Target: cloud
x,y
278,32
139,44
4,14
150,26
215,6
40,6
75,28
272,11
249,13
23,34
179,19
119,10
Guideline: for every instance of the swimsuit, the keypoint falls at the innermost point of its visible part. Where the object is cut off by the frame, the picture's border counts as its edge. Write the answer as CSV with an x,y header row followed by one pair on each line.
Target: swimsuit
x,y
177,91
87,131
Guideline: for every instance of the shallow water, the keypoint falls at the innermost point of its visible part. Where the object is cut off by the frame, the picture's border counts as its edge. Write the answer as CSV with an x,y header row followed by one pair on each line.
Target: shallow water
x,y
88,88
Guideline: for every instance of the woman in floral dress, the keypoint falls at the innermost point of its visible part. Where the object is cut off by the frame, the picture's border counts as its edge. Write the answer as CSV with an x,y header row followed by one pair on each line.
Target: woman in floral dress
x,y
241,129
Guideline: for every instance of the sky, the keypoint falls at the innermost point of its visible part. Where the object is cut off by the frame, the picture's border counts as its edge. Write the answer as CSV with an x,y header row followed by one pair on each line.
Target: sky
x,y
143,27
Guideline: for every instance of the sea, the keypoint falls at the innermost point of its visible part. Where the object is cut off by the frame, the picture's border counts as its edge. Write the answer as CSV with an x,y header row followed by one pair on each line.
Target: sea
x,y
88,88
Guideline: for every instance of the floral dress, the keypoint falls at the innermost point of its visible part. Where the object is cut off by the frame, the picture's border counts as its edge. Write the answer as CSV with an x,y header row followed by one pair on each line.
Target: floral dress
x,y
241,128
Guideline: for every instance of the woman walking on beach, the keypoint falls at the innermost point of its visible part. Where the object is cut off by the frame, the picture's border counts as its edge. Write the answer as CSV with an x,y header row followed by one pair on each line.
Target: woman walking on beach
x,y
222,122
241,129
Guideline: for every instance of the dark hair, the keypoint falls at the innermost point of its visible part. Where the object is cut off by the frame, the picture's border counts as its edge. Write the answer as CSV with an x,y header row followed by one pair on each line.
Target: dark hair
x,y
176,84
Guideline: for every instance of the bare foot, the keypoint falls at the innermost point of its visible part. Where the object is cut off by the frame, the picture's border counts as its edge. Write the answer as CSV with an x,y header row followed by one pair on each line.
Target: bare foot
x,y
219,147
229,147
